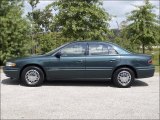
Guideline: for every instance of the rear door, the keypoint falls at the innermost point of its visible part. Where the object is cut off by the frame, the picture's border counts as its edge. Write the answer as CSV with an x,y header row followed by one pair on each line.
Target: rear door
x,y
100,60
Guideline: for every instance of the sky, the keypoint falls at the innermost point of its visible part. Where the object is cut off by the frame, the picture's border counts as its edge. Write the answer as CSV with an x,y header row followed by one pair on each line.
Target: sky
x,y
117,8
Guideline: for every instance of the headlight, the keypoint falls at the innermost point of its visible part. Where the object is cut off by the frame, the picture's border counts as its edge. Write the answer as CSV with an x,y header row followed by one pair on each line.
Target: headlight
x,y
10,64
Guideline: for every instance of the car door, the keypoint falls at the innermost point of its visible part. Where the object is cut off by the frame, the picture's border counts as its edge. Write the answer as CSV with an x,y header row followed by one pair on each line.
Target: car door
x,y
71,63
100,60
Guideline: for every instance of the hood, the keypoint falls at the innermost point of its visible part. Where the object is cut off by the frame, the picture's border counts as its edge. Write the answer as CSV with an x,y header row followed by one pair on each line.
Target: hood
x,y
27,57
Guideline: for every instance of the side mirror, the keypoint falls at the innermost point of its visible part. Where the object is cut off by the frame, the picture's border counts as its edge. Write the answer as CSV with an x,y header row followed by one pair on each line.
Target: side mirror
x,y
58,54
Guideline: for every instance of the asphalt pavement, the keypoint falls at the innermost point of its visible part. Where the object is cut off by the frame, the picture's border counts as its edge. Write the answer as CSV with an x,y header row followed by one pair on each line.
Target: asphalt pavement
x,y
80,100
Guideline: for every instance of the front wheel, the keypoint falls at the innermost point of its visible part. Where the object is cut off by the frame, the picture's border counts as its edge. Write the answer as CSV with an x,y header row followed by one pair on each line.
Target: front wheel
x,y
123,77
32,76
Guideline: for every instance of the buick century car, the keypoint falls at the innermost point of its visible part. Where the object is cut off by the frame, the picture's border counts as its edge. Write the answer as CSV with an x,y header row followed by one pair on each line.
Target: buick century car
x,y
82,61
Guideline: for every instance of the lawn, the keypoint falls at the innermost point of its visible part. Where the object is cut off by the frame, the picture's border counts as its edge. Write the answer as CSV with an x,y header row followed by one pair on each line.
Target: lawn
x,y
1,69
157,69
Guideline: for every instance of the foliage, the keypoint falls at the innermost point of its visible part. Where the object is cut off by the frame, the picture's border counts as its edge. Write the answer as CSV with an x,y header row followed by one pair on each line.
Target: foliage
x,y
48,41
81,19
40,21
14,31
120,39
33,3
42,31
125,43
142,26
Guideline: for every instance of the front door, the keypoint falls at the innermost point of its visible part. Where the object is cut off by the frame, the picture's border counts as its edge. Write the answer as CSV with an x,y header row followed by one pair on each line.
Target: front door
x,y
71,64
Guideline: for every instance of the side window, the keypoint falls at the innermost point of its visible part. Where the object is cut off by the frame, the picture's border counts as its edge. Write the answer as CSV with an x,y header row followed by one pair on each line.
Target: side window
x,y
111,50
101,49
73,50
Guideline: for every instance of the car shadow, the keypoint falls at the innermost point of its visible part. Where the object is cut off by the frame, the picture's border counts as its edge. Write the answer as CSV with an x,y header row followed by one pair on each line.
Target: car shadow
x,y
79,83
139,83
9,81
97,83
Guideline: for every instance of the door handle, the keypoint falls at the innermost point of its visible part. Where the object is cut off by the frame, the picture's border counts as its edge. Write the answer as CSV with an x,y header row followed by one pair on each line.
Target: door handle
x,y
112,60
79,61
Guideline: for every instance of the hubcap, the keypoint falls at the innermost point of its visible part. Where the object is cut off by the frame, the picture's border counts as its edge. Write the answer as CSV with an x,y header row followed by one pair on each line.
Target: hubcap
x,y
124,77
32,76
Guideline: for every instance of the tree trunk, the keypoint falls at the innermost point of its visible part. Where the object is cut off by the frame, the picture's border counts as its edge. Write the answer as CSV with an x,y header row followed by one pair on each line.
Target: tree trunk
x,y
143,47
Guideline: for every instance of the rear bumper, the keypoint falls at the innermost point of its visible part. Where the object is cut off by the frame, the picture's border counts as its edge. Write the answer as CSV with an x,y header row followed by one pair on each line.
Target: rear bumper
x,y
11,72
145,72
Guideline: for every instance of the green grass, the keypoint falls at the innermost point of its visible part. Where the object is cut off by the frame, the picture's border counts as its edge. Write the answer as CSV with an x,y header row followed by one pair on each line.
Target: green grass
x,y
1,71
155,56
157,69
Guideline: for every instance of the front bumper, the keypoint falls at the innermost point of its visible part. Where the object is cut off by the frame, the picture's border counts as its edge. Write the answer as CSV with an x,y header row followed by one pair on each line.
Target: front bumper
x,y
11,72
145,72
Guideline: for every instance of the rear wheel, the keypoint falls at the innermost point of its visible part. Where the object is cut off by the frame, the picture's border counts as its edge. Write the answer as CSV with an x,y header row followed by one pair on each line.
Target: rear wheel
x,y
123,77
32,76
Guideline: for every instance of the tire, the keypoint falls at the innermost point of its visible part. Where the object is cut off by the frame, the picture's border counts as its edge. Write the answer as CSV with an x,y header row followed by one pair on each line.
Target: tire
x,y
32,76
123,77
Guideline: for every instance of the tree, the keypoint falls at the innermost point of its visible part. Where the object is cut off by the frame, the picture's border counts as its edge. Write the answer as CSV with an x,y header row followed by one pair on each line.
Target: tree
x,y
49,41
41,19
142,26
121,39
40,22
34,27
81,19
14,30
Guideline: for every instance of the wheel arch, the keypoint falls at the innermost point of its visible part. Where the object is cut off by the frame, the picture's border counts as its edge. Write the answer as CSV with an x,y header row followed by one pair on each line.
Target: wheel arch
x,y
126,66
37,65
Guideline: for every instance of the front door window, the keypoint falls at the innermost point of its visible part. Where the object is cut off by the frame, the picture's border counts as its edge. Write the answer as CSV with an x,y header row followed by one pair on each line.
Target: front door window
x,y
74,50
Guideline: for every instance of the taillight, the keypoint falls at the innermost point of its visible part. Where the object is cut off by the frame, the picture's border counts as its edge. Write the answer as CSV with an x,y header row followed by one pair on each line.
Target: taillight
x,y
150,61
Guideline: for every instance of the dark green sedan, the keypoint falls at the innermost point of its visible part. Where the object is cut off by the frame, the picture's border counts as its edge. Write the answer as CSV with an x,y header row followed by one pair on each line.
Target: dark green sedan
x,y
82,61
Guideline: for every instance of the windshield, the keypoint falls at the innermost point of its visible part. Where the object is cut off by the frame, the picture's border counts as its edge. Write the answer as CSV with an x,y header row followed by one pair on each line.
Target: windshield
x,y
53,51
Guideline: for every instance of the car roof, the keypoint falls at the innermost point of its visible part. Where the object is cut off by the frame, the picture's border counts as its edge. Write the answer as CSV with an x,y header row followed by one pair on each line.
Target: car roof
x,y
98,41
92,41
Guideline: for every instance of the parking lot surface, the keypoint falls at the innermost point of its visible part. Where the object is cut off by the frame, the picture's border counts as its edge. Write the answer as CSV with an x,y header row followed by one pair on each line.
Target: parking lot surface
x,y
80,100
